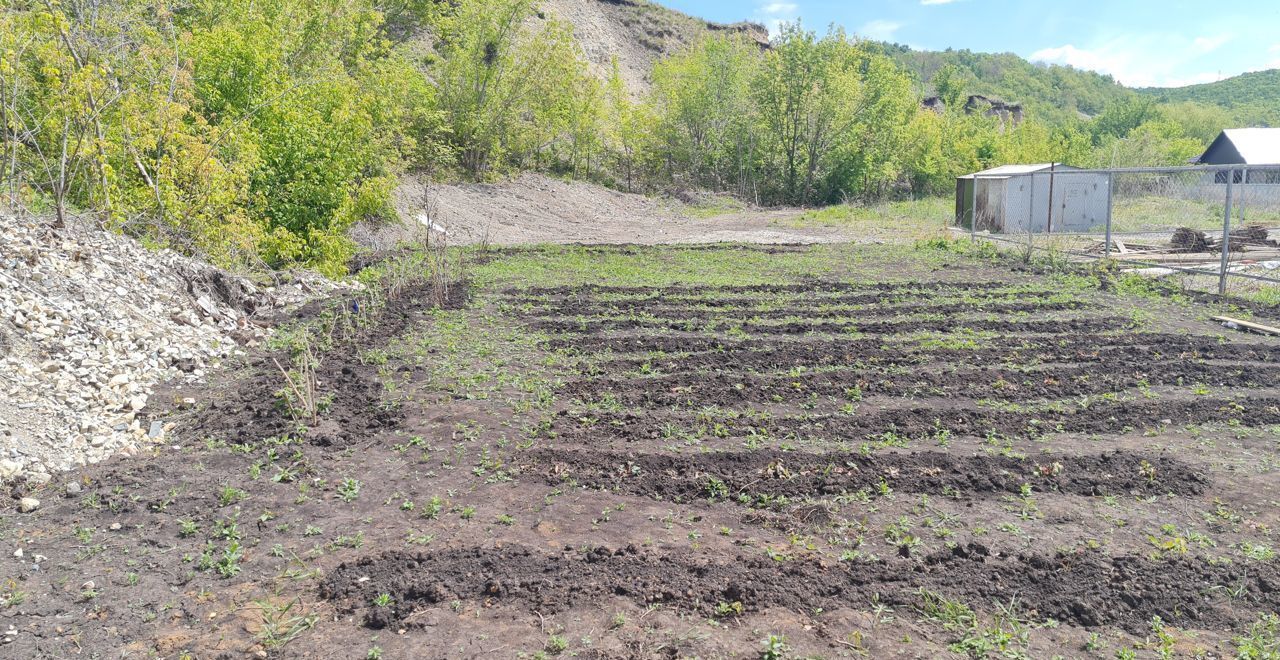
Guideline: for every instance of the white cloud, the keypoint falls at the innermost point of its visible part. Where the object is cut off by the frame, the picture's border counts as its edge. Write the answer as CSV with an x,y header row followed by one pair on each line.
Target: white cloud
x,y
879,29
774,14
1141,60
1080,58
779,8
1274,51
1209,44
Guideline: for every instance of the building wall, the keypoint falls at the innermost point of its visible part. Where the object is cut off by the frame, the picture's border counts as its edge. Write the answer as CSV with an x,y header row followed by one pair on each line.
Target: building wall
x,y
1080,202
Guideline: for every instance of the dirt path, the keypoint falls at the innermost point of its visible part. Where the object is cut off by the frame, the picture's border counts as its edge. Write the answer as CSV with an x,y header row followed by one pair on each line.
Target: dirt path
x,y
539,209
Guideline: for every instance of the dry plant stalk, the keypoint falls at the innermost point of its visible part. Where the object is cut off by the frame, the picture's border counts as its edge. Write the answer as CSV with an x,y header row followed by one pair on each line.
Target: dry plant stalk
x,y
302,384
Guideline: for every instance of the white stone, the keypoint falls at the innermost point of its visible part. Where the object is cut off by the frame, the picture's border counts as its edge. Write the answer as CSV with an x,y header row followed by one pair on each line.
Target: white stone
x,y
9,468
28,504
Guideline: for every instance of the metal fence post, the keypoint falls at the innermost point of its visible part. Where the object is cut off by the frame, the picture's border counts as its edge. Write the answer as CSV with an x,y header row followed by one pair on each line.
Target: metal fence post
x,y
1031,216
1111,194
973,212
1226,236
1244,192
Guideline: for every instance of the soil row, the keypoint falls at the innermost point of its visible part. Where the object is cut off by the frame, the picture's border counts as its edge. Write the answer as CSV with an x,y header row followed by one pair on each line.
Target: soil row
x,y
728,475
1082,344
803,287
721,387
931,421
798,301
1055,326
881,311
1087,589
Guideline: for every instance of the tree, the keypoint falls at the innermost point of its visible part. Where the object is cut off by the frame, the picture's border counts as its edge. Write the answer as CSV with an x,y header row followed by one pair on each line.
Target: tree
x,y
627,127
950,83
706,119
508,88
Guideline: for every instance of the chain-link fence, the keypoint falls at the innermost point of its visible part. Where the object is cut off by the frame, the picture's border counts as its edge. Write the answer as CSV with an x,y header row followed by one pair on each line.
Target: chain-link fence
x,y
1216,226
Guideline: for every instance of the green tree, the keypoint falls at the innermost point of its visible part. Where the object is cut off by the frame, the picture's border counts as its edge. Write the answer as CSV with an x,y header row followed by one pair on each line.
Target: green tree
x,y
706,120
950,83
509,85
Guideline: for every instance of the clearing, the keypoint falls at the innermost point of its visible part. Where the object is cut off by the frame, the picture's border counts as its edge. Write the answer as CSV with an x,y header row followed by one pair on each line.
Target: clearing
x,y
724,451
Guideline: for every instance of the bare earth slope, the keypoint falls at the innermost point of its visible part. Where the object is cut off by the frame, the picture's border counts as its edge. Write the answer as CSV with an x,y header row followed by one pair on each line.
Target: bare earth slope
x,y
540,209
637,32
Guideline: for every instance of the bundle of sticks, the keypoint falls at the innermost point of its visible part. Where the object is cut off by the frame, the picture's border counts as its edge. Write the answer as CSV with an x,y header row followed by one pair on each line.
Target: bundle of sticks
x,y
1186,239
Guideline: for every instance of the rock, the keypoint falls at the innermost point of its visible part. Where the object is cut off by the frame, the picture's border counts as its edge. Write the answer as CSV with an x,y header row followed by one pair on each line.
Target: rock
x,y
73,488
28,504
9,468
156,430
94,336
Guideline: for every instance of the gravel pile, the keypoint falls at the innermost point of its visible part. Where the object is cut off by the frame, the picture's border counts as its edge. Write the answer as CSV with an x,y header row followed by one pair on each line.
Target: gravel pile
x,y
91,321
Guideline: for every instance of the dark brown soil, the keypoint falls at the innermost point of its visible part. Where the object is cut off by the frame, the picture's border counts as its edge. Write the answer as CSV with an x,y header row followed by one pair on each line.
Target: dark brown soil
x,y
1083,589
793,474
991,465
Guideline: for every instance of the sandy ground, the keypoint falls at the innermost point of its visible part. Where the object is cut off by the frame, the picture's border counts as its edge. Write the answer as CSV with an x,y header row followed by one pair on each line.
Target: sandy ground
x,y
539,209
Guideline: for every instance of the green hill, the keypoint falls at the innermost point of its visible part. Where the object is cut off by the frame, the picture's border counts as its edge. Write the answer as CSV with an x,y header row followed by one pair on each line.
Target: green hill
x,y
1259,87
1051,92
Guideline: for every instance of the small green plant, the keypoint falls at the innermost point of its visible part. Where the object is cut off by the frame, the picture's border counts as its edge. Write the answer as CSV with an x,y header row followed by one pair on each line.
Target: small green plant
x,y
556,644
716,489
383,600
230,495
729,609
433,507
775,648
349,490
1262,641
281,625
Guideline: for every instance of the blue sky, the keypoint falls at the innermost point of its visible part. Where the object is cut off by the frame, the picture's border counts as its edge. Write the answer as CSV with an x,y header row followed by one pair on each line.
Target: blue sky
x,y
1139,42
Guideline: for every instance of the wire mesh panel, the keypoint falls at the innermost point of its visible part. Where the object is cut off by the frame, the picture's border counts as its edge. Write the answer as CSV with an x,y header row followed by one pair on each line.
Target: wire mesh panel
x,y
1210,226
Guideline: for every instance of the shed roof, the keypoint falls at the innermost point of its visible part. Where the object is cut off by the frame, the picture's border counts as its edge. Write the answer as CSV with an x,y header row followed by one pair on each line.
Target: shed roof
x,y
1013,170
1245,146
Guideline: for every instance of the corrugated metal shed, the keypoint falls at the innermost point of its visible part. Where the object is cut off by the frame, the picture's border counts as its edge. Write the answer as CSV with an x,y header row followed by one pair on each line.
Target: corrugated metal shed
x,y
1011,170
1043,197
1244,146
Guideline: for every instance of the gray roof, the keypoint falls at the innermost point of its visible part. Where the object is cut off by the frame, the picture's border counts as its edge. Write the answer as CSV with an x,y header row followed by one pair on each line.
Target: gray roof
x,y
1013,170
1244,146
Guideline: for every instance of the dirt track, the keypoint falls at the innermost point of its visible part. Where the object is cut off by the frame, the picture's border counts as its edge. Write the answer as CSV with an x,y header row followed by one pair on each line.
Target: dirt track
x,y
539,209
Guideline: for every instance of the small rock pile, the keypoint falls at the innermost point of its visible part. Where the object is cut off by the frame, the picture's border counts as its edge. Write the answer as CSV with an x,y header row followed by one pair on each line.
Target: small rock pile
x,y
91,321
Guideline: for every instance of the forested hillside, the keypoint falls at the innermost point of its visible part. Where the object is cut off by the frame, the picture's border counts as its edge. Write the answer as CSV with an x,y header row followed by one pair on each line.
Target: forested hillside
x,y
258,132
1255,94
1051,92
